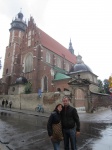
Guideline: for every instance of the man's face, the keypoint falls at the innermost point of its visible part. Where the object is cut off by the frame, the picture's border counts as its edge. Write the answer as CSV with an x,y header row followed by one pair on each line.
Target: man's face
x,y
65,101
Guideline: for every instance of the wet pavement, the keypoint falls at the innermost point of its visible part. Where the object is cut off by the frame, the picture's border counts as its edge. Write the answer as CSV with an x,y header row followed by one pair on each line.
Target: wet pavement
x,y
26,130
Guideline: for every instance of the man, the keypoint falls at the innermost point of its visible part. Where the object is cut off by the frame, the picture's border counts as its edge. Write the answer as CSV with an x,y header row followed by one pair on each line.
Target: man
x,y
70,124
39,93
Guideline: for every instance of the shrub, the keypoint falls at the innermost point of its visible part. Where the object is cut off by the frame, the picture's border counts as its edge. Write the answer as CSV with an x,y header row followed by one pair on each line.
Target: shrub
x,y
28,88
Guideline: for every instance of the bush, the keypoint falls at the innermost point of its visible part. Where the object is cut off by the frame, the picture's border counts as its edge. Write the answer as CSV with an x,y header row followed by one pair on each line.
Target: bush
x,y
28,88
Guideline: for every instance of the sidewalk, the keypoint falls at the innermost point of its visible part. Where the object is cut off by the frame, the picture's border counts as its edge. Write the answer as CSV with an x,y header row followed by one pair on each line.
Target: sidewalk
x,y
3,147
47,114
29,112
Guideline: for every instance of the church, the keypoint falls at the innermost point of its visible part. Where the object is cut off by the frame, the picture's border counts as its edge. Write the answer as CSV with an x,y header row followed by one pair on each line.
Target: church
x,y
33,56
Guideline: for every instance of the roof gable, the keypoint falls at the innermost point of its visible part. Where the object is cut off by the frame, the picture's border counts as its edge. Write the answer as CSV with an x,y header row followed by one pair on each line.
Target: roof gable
x,y
56,47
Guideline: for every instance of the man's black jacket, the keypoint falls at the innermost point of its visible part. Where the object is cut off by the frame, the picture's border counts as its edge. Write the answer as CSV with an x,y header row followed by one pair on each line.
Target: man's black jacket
x,y
70,118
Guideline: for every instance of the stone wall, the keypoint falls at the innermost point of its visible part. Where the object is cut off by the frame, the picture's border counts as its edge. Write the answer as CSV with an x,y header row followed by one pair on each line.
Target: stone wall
x,y
50,100
30,101
16,89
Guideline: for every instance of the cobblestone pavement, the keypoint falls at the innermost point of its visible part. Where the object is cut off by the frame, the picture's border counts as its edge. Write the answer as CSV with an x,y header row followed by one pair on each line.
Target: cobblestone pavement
x,y
26,130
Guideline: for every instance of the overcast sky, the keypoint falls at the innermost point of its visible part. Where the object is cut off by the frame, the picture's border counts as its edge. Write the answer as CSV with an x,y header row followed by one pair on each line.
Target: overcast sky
x,y
87,22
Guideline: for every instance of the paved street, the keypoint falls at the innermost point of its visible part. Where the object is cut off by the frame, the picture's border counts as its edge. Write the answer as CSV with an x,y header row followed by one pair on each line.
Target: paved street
x,y
26,130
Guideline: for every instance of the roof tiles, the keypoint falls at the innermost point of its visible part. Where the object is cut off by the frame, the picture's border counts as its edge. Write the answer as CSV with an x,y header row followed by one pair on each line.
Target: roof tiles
x,y
56,47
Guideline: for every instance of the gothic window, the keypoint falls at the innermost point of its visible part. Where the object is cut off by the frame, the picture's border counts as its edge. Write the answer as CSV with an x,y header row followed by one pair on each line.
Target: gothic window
x,y
29,38
7,71
12,36
29,42
10,44
13,89
58,62
29,33
8,54
67,67
44,84
28,63
48,58
58,89
20,34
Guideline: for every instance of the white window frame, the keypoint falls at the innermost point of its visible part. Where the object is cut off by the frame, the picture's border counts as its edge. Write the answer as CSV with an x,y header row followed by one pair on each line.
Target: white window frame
x,y
24,63
58,62
48,57
29,38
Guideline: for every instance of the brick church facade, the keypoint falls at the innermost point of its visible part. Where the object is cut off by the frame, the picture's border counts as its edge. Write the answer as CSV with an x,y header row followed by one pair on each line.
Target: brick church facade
x,y
36,57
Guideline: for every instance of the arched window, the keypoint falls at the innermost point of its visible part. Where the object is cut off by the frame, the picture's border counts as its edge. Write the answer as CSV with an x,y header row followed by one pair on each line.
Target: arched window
x,y
28,63
29,38
7,71
44,84
12,36
20,34
67,67
48,58
58,62
58,89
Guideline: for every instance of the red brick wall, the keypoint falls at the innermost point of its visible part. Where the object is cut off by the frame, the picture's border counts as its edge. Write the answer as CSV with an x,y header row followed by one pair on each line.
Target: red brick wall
x,y
61,84
79,103
40,67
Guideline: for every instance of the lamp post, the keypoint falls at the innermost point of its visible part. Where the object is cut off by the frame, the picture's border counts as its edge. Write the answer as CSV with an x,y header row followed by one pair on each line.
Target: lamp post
x,y
20,101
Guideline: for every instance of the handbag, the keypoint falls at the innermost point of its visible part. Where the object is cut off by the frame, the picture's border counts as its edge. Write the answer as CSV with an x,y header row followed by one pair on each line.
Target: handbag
x,y
57,132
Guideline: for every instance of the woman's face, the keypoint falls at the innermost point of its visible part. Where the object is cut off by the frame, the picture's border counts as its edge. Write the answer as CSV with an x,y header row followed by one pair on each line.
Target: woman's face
x,y
59,108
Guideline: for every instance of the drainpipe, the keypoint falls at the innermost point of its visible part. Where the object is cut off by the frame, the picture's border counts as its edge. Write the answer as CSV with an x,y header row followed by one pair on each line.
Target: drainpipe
x,y
20,101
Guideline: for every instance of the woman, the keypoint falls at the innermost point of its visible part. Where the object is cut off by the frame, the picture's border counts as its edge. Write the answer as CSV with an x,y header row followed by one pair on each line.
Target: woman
x,y
54,127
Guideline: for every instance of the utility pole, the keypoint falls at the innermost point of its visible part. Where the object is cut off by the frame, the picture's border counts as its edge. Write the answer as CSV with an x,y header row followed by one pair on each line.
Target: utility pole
x,y
0,63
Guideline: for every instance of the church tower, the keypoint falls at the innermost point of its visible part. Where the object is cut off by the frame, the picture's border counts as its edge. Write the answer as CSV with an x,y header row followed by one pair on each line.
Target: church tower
x,y
18,27
71,47
12,60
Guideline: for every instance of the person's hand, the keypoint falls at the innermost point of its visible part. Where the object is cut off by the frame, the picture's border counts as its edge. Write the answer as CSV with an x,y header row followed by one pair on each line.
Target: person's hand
x,y
77,133
51,137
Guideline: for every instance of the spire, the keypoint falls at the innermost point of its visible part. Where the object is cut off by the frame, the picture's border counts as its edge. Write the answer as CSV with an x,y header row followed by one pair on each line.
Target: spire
x,y
71,47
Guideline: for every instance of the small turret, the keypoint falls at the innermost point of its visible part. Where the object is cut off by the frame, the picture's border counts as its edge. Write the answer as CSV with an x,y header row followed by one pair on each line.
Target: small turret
x,y
20,15
71,47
